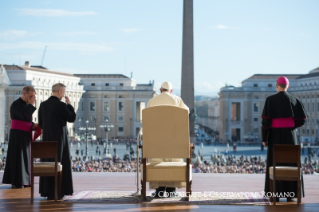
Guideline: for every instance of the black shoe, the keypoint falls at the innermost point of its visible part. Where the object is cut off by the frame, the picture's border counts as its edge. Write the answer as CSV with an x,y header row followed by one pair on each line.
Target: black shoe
x,y
171,192
170,189
159,192
17,186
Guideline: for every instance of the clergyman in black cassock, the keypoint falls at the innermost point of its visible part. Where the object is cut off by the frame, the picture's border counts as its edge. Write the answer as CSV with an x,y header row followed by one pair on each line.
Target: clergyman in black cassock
x,y
53,117
17,170
282,114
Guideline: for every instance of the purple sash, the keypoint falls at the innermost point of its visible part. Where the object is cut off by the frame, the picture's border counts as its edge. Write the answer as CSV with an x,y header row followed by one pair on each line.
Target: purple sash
x,y
283,123
21,125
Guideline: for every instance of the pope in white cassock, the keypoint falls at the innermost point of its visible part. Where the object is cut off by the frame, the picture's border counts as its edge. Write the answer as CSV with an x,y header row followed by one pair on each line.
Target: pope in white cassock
x,y
166,98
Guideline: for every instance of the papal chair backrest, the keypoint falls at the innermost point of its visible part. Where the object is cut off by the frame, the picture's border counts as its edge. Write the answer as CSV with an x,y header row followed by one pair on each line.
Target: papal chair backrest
x,y
165,132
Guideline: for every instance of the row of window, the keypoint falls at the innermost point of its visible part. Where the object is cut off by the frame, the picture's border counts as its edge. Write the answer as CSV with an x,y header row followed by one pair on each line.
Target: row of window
x,y
46,93
106,106
56,81
306,132
105,118
256,107
107,84
256,119
306,105
299,96
313,106
93,119
106,96
312,121
309,84
270,85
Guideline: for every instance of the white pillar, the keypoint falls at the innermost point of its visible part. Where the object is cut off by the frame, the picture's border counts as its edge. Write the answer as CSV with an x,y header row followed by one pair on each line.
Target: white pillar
x,y
4,83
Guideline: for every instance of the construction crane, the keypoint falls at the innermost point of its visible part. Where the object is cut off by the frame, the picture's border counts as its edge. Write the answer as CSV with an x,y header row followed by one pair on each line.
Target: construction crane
x,y
43,55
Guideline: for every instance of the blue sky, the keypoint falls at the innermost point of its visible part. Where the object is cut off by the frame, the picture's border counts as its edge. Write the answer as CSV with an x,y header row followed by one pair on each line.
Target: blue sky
x,y
233,39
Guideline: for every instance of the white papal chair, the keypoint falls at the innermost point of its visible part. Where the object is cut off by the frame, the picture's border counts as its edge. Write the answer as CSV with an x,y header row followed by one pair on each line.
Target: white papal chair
x,y
166,135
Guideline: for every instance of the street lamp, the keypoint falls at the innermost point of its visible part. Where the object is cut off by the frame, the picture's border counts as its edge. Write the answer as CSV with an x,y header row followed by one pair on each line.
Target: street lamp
x,y
79,127
86,129
106,128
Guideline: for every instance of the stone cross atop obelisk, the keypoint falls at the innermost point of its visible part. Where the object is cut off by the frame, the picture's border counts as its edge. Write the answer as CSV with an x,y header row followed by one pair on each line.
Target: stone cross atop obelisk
x,y
4,83
187,89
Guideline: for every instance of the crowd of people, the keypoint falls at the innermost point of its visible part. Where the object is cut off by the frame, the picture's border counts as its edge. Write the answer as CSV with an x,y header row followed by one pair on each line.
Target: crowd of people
x,y
104,166
229,164
117,141
2,160
2,163
217,164
101,147
245,165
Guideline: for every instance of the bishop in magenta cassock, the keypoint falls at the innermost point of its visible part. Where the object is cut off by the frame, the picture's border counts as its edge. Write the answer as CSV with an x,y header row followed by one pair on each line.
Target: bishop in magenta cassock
x,y
282,114
17,170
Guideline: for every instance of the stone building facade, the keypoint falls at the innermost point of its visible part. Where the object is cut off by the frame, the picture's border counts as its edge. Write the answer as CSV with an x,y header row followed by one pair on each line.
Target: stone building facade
x,y
99,98
116,99
240,108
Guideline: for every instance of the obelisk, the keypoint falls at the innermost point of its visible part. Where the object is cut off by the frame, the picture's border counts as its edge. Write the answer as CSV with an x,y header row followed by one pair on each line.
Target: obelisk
x,y
187,89
4,83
